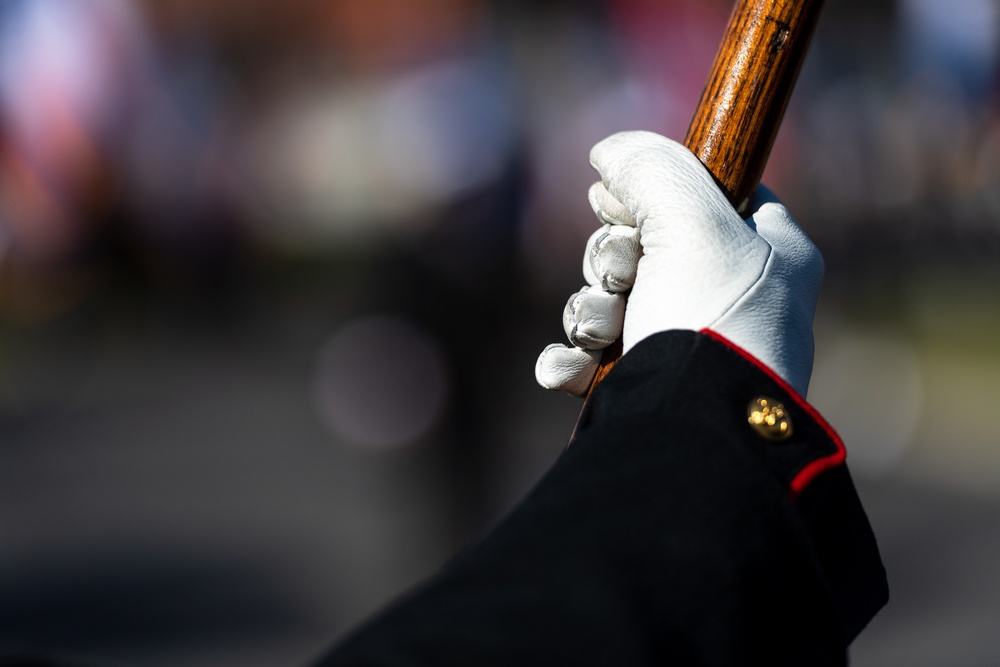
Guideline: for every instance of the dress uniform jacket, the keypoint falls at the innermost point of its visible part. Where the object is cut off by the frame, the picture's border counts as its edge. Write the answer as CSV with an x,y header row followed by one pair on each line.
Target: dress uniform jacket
x,y
674,530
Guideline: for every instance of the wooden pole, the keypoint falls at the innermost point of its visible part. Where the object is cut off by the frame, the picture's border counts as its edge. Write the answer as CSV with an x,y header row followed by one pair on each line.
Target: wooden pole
x,y
744,100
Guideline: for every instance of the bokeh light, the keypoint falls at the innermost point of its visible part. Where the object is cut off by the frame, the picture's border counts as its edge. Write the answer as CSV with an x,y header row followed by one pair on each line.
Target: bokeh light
x,y
380,382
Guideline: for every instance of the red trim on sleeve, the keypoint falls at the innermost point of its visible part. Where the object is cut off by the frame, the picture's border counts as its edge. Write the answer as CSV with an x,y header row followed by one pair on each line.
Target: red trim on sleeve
x,y
813,468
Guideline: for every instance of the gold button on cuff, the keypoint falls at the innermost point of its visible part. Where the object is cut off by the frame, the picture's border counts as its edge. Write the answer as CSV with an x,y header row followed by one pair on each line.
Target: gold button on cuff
x,y
769,420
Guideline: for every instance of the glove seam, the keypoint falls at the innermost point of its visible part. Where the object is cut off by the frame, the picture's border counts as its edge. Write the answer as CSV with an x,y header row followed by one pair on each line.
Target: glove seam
x,y
749,291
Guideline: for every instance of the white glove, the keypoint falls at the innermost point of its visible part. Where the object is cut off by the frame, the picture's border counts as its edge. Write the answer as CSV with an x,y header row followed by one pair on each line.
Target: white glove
x,y
694,264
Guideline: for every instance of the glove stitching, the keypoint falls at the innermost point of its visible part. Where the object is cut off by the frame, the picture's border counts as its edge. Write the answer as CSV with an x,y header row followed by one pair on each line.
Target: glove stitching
x,y
765,269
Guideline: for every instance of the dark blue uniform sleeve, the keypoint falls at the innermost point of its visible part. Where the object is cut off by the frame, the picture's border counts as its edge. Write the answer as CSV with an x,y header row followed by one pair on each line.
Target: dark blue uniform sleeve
x,y
671,531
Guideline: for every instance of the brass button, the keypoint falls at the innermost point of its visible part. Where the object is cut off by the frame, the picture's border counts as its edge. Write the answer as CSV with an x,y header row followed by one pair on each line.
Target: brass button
x,y
769,420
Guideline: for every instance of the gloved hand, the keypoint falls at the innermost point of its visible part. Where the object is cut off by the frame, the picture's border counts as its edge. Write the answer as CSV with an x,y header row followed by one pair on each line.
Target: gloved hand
x,y
691,262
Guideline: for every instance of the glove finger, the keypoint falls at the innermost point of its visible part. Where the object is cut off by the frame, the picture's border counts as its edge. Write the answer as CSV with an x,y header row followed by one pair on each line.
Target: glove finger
x,y
612,258
608,209
653,176
593,318
567,369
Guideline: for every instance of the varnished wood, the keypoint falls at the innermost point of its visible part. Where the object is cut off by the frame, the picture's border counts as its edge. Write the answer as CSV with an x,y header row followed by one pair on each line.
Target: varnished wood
x,y
744,100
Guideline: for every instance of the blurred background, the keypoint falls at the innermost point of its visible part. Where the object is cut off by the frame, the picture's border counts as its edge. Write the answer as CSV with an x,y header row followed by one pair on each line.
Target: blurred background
x,y
273,277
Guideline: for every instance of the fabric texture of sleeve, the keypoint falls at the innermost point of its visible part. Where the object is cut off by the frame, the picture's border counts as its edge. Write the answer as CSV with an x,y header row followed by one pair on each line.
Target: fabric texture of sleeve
x,y
669,532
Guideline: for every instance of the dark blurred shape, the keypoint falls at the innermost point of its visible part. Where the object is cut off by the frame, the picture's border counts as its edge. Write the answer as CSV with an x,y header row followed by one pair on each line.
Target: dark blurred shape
x,y
25,660
136,600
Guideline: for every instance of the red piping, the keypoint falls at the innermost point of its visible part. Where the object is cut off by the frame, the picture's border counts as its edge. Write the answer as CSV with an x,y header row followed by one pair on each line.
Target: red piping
x,y
813,468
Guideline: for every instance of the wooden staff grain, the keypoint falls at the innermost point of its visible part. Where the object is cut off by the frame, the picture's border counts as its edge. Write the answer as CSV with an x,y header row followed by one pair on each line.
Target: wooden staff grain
x,y
744,100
